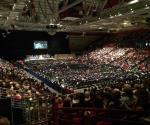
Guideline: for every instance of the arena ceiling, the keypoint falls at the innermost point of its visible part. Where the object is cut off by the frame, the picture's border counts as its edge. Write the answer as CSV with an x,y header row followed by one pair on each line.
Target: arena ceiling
x,y
74,15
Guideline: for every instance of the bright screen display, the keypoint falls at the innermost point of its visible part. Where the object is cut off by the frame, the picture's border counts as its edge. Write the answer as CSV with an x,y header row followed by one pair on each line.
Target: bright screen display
x,y
40,45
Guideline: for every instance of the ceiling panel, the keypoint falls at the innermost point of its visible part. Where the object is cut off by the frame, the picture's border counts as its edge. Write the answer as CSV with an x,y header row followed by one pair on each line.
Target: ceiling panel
x,y
74,15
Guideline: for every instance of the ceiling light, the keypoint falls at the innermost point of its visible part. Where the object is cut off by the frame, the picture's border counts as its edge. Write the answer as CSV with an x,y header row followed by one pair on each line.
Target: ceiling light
x,y
119,14
111,16
51,24
147,7
17,17
14,6
133,2
59,25
131,10
126,23
100,28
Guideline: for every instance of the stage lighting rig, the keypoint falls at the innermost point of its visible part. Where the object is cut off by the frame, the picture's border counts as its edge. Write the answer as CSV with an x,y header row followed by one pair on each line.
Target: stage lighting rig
x,y
52,28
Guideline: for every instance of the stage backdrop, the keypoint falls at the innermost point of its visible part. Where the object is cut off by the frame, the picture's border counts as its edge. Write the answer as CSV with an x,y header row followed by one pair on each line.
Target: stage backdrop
x,y
17,44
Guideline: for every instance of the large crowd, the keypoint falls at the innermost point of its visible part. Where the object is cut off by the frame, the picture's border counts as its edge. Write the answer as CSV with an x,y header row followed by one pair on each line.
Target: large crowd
x,y
118,78
106,65
17,83
118,96
112,78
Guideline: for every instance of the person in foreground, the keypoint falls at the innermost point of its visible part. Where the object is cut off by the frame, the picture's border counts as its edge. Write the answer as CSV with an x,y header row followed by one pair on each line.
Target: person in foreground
x,y
4,121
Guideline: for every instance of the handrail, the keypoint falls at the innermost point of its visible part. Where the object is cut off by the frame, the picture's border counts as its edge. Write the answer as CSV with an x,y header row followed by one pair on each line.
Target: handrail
x,y
48,82
98,115
3,92
101,109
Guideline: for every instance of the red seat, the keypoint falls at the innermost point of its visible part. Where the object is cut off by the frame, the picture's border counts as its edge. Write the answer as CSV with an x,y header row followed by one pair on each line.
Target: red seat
x,y
76,121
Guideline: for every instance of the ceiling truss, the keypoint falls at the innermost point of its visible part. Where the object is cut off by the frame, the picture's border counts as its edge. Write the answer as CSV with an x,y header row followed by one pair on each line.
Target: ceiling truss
x,y
36,14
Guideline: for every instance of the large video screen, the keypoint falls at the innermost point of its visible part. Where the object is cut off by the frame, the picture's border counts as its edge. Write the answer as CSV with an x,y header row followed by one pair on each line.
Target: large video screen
x,y
40,45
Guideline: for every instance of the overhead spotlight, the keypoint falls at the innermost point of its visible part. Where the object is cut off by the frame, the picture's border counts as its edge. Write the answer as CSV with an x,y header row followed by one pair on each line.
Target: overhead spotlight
x,y
147,7
52,25
52,28
131,10
111,16
14,6
133,2
126,23
59,25
100,28
17,18
119,14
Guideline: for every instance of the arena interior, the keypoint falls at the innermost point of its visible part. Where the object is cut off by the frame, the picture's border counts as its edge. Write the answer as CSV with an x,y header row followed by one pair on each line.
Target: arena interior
x,y
74,62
